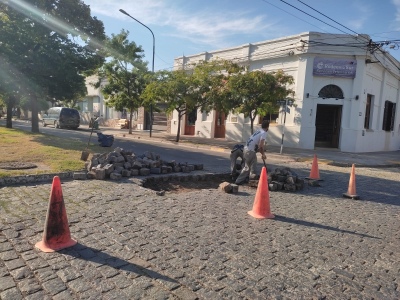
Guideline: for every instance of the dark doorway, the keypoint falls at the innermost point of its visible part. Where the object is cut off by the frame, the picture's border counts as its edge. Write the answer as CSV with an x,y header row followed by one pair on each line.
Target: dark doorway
x,y
327,125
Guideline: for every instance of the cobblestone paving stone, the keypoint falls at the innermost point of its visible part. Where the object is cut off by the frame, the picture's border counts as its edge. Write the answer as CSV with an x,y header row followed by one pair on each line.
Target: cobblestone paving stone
x,y
134,244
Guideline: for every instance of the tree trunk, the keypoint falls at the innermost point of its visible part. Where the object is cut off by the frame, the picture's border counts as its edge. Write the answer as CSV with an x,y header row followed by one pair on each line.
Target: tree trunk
x,y
35,116
9,115
252,125
130,121
179,127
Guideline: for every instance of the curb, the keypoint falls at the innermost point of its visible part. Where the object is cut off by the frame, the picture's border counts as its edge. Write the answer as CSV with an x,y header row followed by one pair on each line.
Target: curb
x,y
376,166
27,179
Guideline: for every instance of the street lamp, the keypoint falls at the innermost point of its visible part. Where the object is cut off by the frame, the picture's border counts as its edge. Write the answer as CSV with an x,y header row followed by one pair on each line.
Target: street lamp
x,y
152,65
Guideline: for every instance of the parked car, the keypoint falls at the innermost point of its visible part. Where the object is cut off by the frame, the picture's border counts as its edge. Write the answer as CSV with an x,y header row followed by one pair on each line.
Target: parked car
x,y
62,117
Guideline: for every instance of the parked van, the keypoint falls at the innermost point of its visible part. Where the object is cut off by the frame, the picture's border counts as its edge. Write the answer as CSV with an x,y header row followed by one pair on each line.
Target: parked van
x,y
62,117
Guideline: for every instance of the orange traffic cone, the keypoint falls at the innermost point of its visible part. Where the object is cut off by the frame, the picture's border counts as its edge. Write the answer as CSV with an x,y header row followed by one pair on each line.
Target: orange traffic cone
x,y
56,234
261,208
351,191
314,174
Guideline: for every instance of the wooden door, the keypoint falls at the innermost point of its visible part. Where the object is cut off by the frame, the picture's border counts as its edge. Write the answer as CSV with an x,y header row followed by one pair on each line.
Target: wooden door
x,y
190,122
220,125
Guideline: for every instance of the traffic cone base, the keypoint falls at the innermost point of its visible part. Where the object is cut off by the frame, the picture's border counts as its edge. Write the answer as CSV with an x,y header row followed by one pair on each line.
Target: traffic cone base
x,y
257,216
45,248
261,208
354,197
56,234
351,191
314,173
309,178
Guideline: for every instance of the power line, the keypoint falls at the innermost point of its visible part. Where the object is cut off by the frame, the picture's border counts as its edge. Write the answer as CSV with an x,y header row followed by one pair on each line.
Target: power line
x,y
293,15
372,46
359,45
327,16
325,22
313,16
309,22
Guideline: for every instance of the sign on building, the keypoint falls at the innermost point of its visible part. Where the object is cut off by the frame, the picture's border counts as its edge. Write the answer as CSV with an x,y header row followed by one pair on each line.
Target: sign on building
x,y
334,67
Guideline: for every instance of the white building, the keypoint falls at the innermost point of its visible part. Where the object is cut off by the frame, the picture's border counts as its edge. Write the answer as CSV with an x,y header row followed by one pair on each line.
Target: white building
x,y
94,104
346,93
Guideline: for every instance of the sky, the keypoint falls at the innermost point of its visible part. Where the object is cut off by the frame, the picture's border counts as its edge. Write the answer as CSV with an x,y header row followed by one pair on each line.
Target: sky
x,y
187,27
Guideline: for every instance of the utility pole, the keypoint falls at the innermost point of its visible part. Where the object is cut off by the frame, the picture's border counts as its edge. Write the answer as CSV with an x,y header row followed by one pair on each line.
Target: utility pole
x,y
285,104
152,65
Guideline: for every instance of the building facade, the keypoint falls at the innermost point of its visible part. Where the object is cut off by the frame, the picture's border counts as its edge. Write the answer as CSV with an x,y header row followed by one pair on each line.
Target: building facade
x,y
94,104
346,93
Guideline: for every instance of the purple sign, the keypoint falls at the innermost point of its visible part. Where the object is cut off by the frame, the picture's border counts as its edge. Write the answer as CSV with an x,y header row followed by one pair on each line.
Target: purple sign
x,y
334,67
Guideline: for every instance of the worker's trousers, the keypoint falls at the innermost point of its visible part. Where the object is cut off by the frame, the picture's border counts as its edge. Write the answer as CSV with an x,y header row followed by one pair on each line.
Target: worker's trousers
x,y
234,161
250,163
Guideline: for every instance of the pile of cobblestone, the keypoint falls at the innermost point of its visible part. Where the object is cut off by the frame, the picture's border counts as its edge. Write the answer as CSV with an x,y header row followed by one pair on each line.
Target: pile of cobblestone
x,y
284,179
121,163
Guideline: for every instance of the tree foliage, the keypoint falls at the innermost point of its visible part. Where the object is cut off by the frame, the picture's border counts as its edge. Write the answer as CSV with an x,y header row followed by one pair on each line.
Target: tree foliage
x,y
256,92
125,75
47,47
187,90
211,79
218,85
174,89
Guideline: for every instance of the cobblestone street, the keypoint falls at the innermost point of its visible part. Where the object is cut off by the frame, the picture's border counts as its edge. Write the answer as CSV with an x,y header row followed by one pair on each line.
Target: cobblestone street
x,y
134,244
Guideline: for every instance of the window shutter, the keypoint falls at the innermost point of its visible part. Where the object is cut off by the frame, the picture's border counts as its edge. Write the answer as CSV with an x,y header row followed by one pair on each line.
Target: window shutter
x,y
389,116
385,116
393,115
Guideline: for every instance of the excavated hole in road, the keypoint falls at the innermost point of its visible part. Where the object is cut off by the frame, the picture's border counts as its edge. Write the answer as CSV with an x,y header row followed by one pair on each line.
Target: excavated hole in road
x,y
181,186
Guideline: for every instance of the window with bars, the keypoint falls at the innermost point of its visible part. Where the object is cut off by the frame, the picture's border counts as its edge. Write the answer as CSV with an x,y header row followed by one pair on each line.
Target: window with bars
x,y
368,112
191,117
233,118
331,91
388,116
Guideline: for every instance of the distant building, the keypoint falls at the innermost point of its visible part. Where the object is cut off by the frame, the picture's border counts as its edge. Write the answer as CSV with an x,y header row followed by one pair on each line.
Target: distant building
x,y
346,87
94,104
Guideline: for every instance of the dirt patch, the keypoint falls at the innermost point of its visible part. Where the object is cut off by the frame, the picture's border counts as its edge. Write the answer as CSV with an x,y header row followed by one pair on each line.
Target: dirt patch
x,y
174,186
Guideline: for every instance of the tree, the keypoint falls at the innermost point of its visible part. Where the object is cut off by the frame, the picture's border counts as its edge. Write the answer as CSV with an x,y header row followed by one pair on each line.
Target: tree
x,y
173,88
8,90
197,87
254,92
210,79
48,46
125,74
9,86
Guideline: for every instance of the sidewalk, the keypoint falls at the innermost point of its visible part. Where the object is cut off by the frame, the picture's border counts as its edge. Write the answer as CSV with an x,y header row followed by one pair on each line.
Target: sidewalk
x,y
329,156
